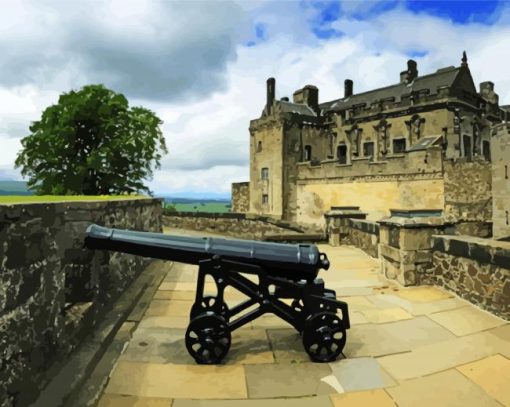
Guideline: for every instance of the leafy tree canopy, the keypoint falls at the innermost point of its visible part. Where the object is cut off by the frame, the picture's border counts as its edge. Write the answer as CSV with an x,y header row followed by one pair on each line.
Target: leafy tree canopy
x,y
92,143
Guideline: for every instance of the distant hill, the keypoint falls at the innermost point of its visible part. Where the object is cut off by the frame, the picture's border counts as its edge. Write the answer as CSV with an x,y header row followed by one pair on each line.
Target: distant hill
x,y
14,188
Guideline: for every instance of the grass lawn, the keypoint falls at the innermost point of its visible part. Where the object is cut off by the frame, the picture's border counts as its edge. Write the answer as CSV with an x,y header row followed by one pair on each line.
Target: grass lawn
x,y
214,207
14,199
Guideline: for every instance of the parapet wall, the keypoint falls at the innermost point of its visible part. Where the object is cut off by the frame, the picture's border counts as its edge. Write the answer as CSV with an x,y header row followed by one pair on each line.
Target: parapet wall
x,y
238,225
363,234
475,269
51,283
240,197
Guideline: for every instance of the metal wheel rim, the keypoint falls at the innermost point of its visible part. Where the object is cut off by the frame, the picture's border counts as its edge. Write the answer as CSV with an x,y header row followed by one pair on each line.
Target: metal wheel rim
x,y
319,327
208,338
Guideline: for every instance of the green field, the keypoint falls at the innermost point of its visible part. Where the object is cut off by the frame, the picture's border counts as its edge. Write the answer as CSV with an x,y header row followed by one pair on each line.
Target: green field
x,y
10,199
212,207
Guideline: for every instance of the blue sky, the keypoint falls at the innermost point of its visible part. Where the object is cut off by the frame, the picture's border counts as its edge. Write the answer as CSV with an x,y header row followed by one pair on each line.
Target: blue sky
x,y
202,66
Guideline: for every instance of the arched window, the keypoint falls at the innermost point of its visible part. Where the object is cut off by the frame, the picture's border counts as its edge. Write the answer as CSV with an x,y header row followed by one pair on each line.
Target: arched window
x,y
259,146
308,153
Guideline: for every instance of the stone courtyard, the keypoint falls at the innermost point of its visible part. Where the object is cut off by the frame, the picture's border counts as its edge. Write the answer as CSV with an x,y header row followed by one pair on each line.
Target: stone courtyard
x,y
418,346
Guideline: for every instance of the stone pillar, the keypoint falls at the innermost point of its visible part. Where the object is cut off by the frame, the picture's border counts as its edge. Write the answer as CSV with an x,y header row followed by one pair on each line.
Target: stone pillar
x,y
337,222
405,247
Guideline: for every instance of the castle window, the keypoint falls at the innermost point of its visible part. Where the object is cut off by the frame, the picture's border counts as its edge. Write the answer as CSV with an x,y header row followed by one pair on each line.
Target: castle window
x,y
264,173
265,199
259,146
368,150
399,145
341,154
308,153
466,141
506,171
486,145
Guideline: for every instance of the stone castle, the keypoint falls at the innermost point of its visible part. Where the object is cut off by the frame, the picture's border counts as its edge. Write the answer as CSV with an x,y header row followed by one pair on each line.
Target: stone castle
x,y
423,143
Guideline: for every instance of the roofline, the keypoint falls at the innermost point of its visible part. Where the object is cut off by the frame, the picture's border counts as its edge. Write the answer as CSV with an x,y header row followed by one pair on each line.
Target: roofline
x,y
390,86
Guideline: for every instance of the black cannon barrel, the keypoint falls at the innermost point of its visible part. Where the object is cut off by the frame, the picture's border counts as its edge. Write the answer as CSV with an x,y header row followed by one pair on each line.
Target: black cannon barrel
x,y
293,261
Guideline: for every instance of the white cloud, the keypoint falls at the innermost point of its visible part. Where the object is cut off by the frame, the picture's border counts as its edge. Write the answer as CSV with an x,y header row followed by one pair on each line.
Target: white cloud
x,y
208,137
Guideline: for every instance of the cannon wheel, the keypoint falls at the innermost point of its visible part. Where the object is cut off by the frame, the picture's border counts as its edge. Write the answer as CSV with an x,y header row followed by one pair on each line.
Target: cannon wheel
x,y
324,337
208,338
208,304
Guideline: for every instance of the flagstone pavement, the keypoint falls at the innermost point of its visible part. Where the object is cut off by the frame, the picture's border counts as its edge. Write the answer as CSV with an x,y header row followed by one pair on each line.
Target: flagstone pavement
x,y
418,346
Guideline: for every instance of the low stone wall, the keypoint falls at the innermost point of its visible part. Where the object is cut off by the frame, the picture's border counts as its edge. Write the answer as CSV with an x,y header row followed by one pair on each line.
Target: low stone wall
x,y
476,269
363,234
241,197
239,225
53,288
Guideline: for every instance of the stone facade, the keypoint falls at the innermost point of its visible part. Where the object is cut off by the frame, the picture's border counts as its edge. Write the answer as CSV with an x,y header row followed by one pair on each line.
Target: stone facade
x,y
501,180
475,269
237,225
388,148
52,287
241,197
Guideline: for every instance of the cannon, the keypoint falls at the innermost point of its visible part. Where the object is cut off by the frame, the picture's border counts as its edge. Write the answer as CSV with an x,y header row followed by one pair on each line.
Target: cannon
x,y
284,272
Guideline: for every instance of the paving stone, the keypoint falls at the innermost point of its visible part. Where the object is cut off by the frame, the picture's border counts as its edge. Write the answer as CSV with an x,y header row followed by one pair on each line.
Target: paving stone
x,y
380,316
317,401
423,294
158,345
115,400
249,346
352,291
443,355
164,322
502,332
178,381
357,318
419,331
186,286
286,380
416,308
182,272
270,321
174,295
449,388
169,308
492,374
466,320
373,340
358,303
360,374
375,398
287,346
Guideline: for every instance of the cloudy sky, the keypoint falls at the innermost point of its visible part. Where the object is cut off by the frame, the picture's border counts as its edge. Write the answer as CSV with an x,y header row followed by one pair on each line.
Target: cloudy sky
x,y
202,66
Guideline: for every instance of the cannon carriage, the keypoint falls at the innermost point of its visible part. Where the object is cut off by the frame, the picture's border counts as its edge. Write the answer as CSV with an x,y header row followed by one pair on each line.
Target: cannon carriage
x,y
284,271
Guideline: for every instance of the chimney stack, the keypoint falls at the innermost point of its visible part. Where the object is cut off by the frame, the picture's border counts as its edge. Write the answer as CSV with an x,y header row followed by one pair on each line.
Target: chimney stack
x,y
347,88
270,94
411,73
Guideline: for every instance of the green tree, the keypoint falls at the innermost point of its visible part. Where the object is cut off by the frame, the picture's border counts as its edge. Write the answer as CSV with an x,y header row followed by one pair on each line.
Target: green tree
x,y
92,143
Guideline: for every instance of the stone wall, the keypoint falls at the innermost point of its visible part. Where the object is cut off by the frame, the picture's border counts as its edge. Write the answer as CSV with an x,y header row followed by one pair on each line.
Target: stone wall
x,y
52,288
240,197
467,191
500,152
363,234
475,269
238,225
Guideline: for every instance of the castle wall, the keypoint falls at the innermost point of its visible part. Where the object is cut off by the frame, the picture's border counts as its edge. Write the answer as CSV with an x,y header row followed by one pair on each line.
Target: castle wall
x,y
467,191
501,181
51,284
404,182
270,134
240,197
375,198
